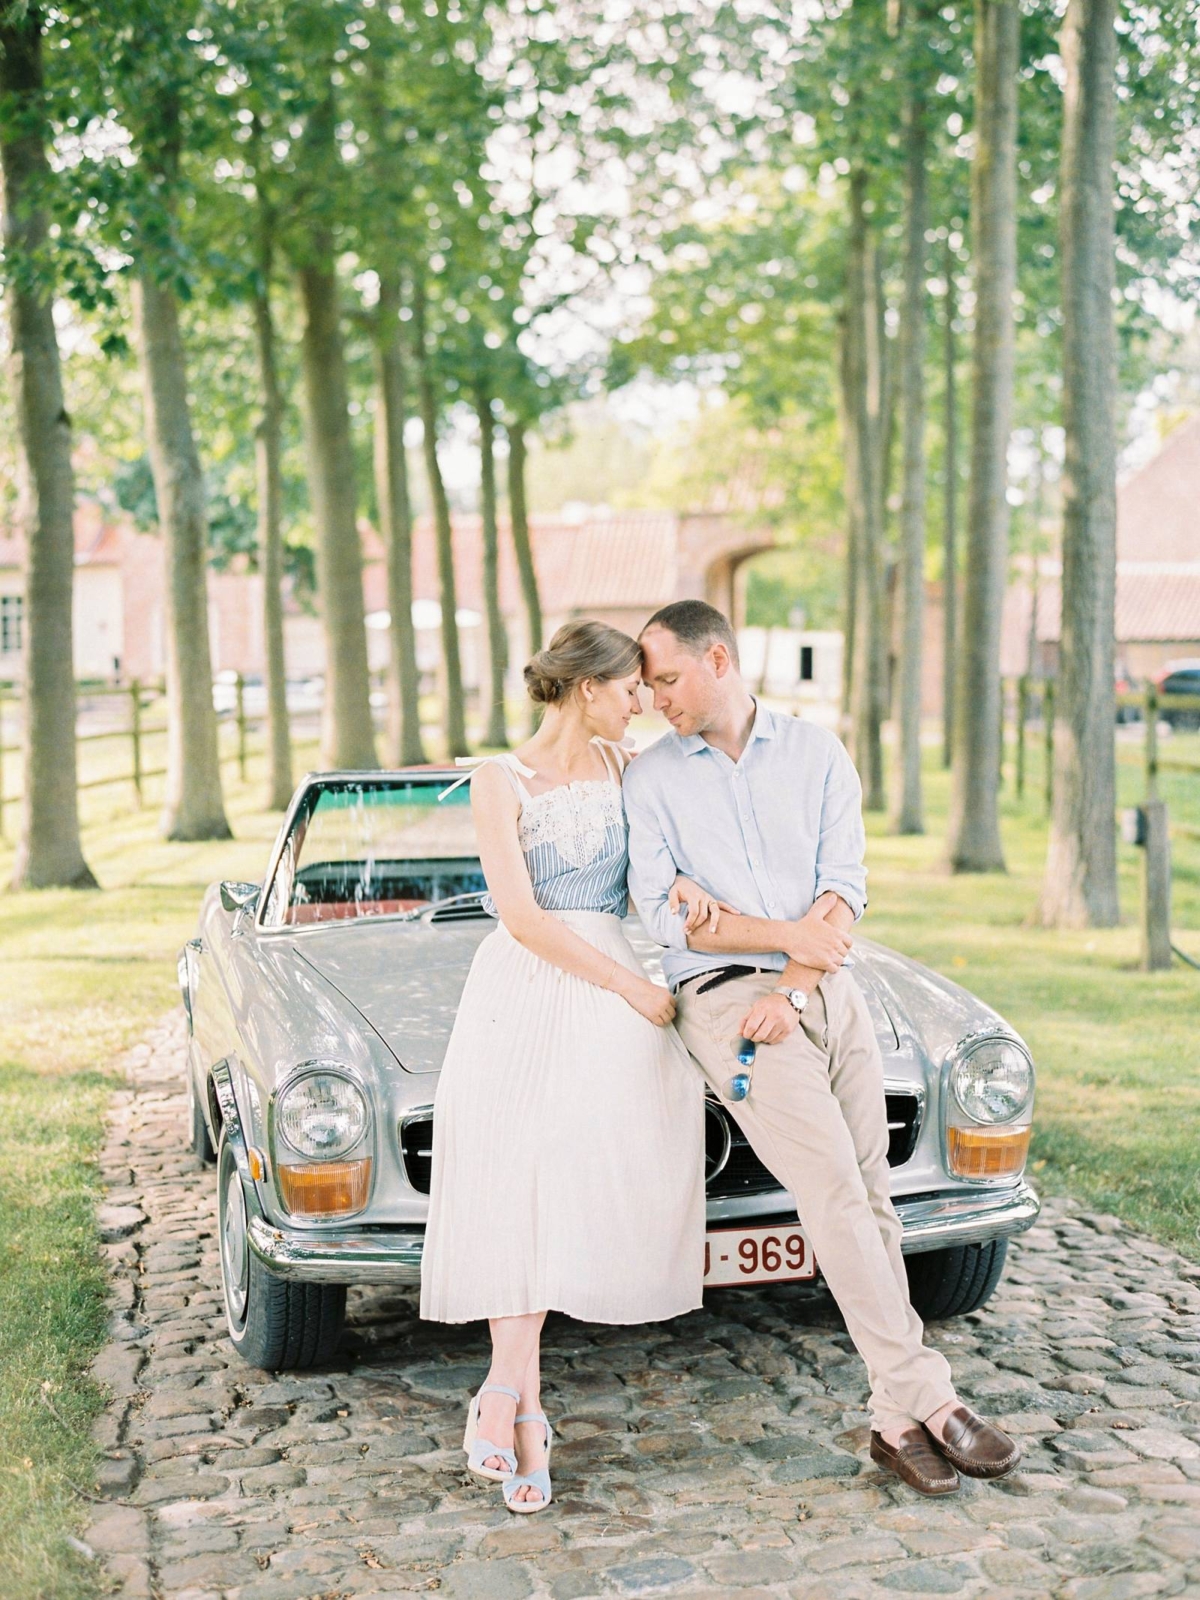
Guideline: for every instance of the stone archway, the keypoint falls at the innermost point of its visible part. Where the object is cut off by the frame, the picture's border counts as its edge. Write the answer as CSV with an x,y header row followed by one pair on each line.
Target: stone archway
x,y
711,548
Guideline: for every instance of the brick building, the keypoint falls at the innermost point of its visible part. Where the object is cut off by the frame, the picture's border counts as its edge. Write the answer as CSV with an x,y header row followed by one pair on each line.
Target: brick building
x,y
618,567
1158,573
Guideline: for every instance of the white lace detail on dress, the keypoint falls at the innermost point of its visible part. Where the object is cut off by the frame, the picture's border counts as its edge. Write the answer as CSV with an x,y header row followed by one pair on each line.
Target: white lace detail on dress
x,y
574,818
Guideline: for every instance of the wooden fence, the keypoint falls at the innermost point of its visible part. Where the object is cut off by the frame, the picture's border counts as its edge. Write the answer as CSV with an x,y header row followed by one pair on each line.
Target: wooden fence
x,y
1147,824
144,708
1023,695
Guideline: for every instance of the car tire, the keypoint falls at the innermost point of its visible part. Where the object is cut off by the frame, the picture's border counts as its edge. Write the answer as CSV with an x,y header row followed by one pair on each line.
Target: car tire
x,y
274,1324
202,1145
951,1282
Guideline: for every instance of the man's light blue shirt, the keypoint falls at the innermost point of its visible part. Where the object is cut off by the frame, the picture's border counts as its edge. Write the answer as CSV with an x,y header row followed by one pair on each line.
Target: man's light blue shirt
x,y
767,834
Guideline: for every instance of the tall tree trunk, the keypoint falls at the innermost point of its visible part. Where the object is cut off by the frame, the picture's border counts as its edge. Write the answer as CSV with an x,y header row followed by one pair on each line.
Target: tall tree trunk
x,y
974,814
497,638
1080,888
268,456
389,178
454,714
866,426
48,848
1031,640
949,517
518,513
347,729
395,516
194,807
853,500
889,388
908,816
347,732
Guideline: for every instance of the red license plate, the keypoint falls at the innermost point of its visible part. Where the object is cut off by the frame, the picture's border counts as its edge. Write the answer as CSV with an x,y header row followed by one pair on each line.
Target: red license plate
x,y
757,1255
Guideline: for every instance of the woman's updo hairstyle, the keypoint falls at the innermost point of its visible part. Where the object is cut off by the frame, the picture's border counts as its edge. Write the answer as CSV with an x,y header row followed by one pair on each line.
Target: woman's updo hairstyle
x,y
580,650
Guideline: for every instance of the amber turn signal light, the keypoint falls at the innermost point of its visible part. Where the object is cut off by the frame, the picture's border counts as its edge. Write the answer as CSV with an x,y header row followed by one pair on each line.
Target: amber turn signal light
x,y
325,1188
987,1152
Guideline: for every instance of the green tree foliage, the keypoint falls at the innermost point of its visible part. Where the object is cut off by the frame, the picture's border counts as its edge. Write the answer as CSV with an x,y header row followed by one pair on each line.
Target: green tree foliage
x,y
537,177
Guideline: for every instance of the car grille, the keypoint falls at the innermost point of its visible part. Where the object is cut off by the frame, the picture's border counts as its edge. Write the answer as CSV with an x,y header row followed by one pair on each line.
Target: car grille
x,y
731,1166
416,1149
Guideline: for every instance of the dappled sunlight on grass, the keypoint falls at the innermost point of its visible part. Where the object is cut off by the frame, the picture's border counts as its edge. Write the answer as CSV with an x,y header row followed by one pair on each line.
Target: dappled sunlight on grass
x,y
82,976
1117,1049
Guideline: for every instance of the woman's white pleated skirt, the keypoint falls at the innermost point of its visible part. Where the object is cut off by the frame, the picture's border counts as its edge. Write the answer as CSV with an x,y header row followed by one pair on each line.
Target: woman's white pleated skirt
x,y
568,1148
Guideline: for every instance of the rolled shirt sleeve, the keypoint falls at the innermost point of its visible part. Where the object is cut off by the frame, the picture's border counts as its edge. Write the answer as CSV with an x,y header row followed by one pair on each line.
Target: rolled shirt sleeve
x,y
842,839
652,871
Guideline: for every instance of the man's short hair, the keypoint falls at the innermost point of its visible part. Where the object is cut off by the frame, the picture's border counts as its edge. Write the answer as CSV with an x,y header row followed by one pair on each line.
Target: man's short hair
x,y
696,625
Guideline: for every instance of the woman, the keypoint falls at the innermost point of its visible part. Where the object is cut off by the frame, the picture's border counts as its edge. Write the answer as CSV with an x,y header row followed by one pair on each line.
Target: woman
x,y
568,1155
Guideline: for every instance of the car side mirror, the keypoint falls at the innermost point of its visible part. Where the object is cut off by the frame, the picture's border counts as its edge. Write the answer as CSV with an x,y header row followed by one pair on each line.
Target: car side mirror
x,y
239,896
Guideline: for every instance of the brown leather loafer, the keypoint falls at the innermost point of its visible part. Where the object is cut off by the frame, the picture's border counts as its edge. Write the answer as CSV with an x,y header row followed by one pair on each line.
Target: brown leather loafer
x,y
976,1447
915,1462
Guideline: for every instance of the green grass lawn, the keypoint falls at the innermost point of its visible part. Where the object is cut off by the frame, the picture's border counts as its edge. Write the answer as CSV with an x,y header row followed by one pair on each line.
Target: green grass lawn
x,y
83,975
1117,1119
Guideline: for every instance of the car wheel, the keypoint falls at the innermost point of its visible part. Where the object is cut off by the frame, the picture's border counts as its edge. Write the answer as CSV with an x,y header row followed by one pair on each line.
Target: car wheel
x,y
274,1324
949,1283
202,1145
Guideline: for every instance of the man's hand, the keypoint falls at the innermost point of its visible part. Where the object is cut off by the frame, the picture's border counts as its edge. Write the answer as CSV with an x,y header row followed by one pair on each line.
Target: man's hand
x,y
770,1020
815,943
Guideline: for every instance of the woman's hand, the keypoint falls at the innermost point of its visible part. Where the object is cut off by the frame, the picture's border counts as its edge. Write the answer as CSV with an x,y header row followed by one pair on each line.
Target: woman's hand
x,y
650,1000
701,906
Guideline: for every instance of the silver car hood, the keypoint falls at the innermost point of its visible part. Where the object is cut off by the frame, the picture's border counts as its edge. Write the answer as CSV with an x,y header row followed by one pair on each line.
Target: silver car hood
x,y
930,1013
406,979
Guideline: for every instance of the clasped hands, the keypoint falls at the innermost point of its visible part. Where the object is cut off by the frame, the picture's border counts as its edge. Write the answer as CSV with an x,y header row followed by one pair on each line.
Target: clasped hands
x,y
812,943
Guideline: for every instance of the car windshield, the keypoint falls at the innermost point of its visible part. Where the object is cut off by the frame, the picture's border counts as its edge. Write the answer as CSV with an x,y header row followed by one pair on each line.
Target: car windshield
x,y
374,848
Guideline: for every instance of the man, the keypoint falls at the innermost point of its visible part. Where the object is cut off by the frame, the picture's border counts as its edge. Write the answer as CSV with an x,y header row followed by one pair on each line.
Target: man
x,y
765,812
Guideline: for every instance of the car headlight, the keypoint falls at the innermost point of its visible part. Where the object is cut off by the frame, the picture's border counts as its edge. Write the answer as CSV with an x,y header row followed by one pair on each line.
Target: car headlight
x,y
321,1115
992,1081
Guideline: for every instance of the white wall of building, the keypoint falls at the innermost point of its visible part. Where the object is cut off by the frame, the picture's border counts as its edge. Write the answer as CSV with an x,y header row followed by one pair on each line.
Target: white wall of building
x,y
98,621
773,660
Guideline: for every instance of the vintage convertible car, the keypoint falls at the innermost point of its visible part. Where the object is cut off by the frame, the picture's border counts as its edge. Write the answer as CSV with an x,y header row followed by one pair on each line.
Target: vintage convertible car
x,y
319,1003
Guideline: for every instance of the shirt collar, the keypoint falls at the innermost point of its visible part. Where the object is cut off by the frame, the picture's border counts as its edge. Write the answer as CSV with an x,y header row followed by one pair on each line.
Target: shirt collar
x,y
763,727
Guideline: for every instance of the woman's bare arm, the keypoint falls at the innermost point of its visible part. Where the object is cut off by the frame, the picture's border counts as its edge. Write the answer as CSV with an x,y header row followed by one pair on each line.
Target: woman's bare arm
x,y
495,810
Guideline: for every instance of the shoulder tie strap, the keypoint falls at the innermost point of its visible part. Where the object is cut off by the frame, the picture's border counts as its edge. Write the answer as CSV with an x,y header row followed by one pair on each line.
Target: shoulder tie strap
x,y
616,754
507,762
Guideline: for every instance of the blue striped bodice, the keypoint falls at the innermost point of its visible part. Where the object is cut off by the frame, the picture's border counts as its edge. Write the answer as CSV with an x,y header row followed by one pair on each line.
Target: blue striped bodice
x,y
576,844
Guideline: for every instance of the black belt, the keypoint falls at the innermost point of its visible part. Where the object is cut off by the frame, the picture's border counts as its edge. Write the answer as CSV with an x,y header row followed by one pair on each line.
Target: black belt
x,y
721,975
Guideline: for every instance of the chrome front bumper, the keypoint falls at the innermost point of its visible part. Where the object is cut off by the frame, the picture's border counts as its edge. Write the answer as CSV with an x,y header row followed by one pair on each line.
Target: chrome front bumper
x,y
394,1255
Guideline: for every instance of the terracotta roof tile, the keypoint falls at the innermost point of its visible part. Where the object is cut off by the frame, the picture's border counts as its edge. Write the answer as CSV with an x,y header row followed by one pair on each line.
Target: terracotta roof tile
x,y
1157,602
626,559
1158,509
97,538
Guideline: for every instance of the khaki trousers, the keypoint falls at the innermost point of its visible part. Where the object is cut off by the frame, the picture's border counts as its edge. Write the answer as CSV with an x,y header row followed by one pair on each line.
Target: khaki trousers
x,y
816,1118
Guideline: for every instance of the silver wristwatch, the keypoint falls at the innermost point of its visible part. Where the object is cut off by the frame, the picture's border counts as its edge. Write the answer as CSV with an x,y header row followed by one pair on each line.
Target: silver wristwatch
x,y
794,997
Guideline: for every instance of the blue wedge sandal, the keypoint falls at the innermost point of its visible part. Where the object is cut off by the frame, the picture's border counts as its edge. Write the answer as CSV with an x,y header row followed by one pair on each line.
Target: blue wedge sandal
x,y
478,1450
540,1479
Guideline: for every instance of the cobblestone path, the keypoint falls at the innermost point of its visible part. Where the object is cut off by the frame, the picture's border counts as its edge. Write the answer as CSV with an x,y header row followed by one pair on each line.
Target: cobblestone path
x,y
719,1455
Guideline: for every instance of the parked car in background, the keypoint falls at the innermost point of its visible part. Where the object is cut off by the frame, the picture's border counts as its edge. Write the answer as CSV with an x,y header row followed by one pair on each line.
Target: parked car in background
x,y
319,1002
303,694
1125,683
1180,677
254,693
